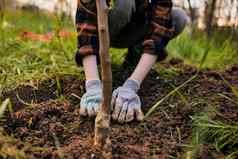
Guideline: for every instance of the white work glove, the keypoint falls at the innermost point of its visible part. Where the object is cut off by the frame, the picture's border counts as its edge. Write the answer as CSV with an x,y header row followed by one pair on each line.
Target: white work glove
x,y
91,100
126,103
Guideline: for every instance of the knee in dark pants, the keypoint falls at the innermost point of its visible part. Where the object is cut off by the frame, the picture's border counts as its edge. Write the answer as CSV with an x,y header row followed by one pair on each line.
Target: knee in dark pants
x,y
180,20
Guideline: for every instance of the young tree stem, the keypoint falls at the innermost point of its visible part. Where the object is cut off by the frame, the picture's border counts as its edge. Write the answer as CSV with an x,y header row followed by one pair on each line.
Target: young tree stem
x,y
102,123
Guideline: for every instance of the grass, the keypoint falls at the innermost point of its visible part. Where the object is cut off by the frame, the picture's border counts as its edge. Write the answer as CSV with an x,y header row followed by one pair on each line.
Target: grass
x,y
222,50
24,61
222,136
219,135
13,148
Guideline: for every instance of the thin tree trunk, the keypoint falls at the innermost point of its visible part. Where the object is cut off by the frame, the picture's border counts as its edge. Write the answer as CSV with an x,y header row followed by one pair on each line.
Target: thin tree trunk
x,y
102,123
192,15
191,10
210,17
2,8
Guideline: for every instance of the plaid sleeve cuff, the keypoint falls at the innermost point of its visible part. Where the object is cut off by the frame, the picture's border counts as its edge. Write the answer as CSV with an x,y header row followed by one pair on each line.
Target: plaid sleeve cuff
x,y
156,48
79,57
86,23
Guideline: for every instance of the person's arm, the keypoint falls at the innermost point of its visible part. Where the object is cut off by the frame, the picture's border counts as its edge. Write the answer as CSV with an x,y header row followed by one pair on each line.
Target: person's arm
x,y
144,66
90,68
162,31
86,22
125,101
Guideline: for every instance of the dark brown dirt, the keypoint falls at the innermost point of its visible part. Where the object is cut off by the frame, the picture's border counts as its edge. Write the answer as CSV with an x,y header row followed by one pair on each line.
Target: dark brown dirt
x,y
55,123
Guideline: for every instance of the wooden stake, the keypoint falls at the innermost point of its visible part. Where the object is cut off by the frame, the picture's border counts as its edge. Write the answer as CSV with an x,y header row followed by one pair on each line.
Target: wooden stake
x,y
102,123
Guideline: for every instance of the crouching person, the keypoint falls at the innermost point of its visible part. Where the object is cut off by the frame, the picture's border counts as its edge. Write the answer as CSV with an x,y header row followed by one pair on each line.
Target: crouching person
x,y
150,24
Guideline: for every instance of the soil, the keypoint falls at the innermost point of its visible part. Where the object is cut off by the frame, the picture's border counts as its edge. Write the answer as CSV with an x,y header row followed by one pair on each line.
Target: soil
x,y
54,129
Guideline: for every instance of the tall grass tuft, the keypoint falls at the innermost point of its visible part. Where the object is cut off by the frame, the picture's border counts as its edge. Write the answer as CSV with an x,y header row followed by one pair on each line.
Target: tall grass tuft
x,y
221,134
222,53
25,60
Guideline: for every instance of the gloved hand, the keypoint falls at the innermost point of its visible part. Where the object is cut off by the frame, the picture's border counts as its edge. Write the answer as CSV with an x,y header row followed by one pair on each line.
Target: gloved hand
x,y
91,100
126,103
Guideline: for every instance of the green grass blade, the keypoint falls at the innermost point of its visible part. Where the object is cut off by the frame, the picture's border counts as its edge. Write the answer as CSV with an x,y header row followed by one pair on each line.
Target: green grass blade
x,y
233,89
228,98
182,97
204,57
4,107
168,95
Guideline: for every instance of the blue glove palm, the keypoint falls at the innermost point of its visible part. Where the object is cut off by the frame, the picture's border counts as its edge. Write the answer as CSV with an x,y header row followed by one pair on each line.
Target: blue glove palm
x,y
91,100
